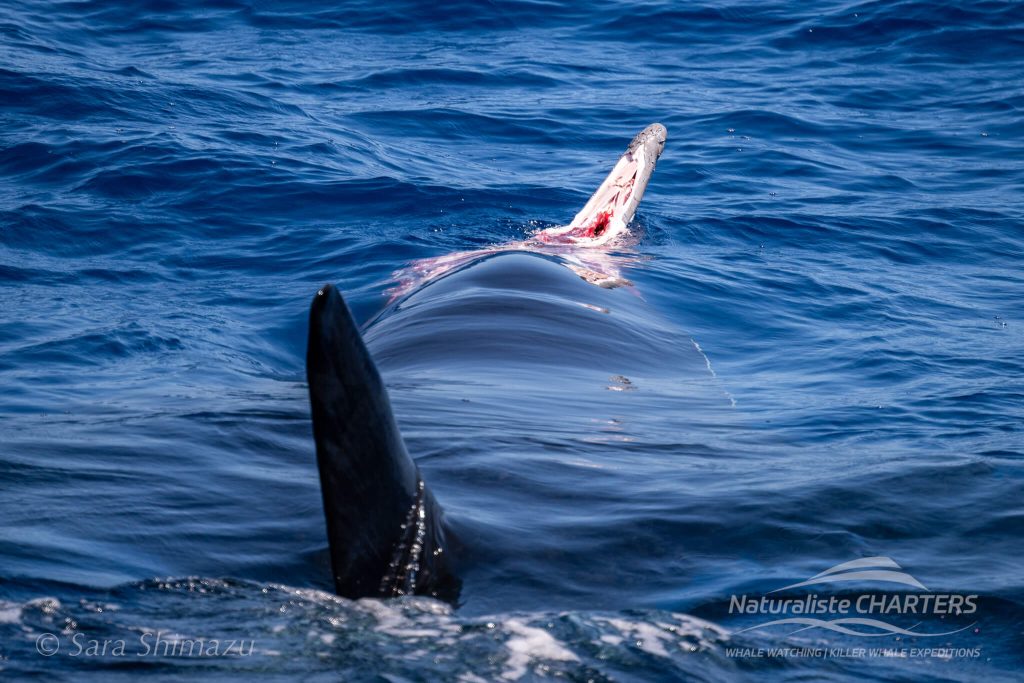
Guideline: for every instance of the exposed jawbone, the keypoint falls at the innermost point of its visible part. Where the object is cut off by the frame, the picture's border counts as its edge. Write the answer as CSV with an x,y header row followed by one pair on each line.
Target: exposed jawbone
x,y
585,244
607,214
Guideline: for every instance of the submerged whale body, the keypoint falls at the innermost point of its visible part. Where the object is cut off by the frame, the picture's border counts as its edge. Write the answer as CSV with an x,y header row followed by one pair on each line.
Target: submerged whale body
x,y
573,346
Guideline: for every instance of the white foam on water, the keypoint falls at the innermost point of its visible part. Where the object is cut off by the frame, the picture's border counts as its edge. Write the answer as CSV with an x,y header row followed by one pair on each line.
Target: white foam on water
x,y
707,362
529,645
10,612
646,637
400,620
44,605
660,638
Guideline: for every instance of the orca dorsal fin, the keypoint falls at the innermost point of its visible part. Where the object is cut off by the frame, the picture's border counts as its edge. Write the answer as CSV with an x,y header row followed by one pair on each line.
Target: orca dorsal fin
x,y
385,530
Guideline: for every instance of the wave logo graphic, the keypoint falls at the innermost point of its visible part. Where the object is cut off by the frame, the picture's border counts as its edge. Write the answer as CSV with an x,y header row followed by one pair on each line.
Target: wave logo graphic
x,y
865,569
857,615
841,626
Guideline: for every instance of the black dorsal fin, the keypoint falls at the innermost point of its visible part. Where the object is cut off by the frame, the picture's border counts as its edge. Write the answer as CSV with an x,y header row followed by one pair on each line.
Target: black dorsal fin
x,y
384,527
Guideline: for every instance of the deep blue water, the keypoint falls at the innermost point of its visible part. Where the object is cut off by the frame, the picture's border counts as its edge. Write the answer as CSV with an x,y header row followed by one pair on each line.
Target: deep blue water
x,y
837,222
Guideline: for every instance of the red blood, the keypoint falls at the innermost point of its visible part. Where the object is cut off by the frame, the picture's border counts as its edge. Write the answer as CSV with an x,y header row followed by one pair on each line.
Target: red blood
x,y
600,224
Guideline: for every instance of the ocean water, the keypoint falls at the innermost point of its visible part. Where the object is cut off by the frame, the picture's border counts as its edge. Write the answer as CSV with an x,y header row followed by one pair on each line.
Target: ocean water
x,y
820,358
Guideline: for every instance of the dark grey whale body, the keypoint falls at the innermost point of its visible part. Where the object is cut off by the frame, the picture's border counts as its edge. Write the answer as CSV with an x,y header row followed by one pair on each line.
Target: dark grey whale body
x,y
502,341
